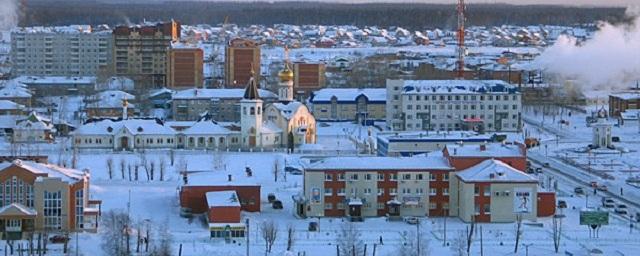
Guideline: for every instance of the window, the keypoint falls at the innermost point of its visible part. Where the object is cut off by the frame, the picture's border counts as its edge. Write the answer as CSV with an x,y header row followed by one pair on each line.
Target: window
x,y
445,177
432,177
487,191
80,208
341,192
328,206
445,191
380,206
477,209
367,176
340,206
380,176
367,191
419,176
393,177
419,191
476,190
380,191
341,177
328,191
52,210
328,177
354,191
487,209
432,191
354,176
406,176
393,191
433,206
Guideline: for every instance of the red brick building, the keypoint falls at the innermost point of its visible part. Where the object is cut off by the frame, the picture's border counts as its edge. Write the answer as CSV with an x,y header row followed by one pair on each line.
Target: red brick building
x,y
185,67
193,197
620,102
223,214
464,156
308,77
241,57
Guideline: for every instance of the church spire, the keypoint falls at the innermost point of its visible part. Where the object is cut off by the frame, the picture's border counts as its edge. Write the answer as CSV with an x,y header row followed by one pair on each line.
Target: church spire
x,y
251,92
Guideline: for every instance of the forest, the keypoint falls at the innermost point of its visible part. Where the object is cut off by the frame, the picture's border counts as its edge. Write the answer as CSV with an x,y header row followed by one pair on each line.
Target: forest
x,y
408,15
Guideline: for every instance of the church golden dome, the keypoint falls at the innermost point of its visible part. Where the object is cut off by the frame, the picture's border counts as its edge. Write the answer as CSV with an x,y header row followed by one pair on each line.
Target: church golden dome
x,y
286,74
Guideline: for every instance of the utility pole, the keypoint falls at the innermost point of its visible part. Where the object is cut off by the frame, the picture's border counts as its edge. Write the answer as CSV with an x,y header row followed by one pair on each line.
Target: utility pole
x,y
418,236
247,234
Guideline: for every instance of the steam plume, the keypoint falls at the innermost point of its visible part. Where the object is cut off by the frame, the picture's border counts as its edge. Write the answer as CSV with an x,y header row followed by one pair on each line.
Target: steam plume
x,y
8,14
610,60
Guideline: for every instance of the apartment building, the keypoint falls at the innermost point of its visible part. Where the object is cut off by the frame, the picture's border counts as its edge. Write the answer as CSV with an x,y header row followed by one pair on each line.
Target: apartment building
x,y
184,67
61,51
222,104
308,77
40,196
453,105
140,52
349,104
241,61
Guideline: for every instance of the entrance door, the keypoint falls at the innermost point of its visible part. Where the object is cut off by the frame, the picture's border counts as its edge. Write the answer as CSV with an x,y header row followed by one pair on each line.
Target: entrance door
x,y
252,141
355,212
124,143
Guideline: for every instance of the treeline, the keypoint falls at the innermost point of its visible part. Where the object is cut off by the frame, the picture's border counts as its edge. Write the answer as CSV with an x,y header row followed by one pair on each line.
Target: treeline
x,y
409,15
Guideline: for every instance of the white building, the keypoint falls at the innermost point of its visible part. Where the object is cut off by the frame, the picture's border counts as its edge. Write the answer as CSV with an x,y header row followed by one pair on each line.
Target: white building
x,y
602,131
33,129
77,50
453,105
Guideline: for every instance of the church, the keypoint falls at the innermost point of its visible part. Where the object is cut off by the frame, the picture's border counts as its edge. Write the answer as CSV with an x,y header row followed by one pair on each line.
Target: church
x,y
288,123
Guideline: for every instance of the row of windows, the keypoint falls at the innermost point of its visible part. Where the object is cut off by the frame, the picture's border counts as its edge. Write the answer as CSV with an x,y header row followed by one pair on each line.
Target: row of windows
x,y
459,97
225,234
15,190
390,177
391,191
458,107
380,206
421,116
455,127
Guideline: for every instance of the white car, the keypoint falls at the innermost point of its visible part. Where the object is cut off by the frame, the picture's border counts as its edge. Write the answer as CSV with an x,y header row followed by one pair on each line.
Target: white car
x,y
411,220
621,209
607,202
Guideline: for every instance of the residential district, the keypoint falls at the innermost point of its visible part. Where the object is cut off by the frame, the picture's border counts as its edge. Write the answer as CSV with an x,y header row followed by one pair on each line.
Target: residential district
x,y
161,138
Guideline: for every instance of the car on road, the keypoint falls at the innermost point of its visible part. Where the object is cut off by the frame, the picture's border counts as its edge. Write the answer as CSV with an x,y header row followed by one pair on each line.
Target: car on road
x,y
602,188
58,239
293,170
313,226
411,220
578,190
562,204
546,164
608,202
277,204
621,209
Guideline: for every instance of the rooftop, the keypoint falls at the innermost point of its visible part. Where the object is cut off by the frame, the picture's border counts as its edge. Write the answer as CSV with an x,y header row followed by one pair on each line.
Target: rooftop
x,y
490,150
457,86
218,93
349,94
494,171
222,198
381,163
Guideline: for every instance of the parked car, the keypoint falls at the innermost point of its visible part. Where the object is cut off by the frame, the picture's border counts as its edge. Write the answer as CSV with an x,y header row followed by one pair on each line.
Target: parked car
x,y
271,197
578,190
531,170
621,209
546,164
562,204
293,170
602,188
58,239
637,216
411,220
608,202
313,226
277,204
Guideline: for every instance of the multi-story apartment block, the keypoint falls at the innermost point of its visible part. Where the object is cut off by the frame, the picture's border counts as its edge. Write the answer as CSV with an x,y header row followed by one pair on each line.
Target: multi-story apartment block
x,y
241,61
453,105
40,196
308,77
184,67
140,52
61,51
483,183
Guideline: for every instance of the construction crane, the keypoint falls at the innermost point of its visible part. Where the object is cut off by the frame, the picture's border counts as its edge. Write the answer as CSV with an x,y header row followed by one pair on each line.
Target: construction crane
x,y
460,35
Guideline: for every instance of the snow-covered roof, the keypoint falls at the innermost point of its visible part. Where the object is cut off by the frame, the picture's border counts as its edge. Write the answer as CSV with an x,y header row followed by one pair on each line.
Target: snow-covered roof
x,y
56,80
17,209
490,150
349,94
451,137
225,198
14,89
134,126
9,105
111,99
34,122
207,127
494,171
53,171
457,86
218,93
626,95
380,163
288,109
269,127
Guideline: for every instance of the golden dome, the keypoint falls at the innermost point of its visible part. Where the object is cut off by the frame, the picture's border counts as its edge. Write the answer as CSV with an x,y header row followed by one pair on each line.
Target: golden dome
x,y
286,74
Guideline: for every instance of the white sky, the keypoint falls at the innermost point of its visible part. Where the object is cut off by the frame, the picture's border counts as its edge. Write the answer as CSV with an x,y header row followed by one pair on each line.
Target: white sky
x,y
558,2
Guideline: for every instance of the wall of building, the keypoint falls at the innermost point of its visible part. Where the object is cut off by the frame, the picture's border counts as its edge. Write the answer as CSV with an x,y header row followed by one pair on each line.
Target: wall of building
x,y
241,56
502,208
185,68
224,214
194,197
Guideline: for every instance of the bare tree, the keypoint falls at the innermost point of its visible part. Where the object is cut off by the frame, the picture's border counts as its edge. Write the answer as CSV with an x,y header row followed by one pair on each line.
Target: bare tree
x,y
409,246
349,240
123,165
74,157
135,172
458,245
557,233
115,226
275,170
129,169
163,167
269,232
172,156
291,233
518,231
110,167
470,234
152,167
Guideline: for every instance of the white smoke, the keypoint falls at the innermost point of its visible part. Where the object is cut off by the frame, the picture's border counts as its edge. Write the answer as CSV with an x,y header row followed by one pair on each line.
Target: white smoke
x,y
610,60
8,14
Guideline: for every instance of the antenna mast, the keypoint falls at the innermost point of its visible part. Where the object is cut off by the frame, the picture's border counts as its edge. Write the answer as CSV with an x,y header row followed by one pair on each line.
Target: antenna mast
x,y
460,35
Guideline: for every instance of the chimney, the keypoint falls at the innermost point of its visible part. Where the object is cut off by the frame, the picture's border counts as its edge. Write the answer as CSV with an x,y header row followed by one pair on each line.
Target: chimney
x,y
229,178
124,108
